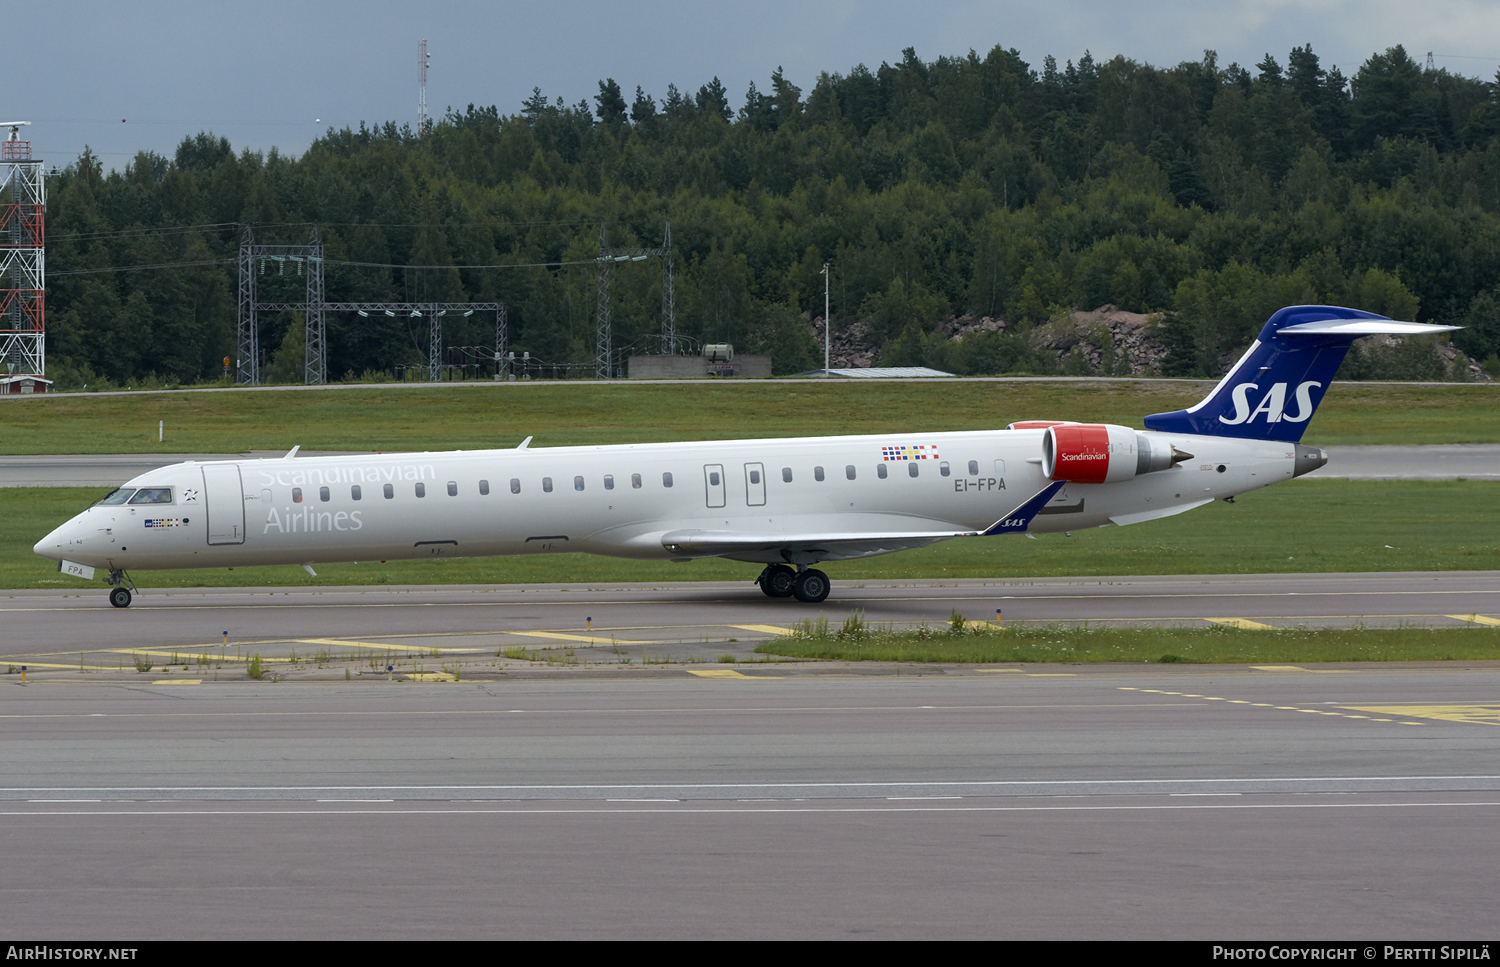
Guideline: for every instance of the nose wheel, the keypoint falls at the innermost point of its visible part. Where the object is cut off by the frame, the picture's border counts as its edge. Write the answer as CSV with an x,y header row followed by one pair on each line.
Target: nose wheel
x,y
119,593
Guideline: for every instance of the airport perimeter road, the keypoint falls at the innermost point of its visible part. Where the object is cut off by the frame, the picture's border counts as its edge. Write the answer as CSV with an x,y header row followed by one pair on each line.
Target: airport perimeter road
x,y
1474,461
77,630
107,469
1145,802
1471,461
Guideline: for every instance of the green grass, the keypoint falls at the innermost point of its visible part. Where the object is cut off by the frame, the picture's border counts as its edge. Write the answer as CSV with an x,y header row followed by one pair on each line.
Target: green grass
x,y
478,416
1298,526
1218,645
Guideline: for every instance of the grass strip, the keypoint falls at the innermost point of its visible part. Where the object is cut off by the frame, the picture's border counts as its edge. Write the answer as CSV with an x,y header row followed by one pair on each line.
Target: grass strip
x,y
476,416
964,643
1303,525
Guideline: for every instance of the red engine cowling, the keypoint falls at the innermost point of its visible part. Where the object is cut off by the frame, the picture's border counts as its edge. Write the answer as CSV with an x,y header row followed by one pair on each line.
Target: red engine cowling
x,y
1090,453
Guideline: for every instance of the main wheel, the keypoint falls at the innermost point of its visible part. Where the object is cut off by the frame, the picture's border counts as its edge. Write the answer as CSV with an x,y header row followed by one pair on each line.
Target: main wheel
x,y
120,597
811,586
776,581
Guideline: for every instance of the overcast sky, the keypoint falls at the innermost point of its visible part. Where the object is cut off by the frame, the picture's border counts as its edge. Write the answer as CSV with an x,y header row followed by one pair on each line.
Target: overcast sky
x,y
279,73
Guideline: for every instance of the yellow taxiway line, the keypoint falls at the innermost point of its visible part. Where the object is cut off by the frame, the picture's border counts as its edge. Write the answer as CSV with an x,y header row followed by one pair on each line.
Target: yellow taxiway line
x,y
1478,619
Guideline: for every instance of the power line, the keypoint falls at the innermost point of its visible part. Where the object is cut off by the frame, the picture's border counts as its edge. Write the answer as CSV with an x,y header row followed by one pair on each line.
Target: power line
x,y
370,265
126,232
177,229
140,268
506,265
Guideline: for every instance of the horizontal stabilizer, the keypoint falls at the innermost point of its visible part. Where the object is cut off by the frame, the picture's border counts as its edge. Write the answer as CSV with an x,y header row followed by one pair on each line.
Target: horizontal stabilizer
x,y
1364,327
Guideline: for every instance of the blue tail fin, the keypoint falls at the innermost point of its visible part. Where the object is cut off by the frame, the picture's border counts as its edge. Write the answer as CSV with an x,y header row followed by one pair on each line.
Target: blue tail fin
x,y
1271,393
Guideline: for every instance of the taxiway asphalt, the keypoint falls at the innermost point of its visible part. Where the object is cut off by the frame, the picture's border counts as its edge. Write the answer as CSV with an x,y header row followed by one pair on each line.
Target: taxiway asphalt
x,y
1210,803
69,631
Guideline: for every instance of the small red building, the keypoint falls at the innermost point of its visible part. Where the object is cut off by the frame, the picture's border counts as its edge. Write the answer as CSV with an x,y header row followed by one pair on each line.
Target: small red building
x,y
23,384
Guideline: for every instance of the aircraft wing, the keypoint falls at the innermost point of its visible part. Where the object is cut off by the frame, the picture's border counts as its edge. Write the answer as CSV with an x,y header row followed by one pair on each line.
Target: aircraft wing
x,y
812,547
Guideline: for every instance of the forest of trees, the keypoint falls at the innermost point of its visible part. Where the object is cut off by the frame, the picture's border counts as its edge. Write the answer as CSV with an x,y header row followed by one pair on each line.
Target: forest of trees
x,y
976,184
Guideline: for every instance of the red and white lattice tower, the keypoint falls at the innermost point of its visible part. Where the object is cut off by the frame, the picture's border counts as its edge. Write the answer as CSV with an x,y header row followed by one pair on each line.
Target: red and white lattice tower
x,y
23,257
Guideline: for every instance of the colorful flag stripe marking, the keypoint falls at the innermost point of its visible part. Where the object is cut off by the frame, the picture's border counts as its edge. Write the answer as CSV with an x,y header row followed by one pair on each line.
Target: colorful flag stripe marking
x,y
906,452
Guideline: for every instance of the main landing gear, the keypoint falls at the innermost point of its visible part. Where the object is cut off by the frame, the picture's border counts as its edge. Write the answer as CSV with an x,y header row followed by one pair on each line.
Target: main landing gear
x,y
806,584
119,595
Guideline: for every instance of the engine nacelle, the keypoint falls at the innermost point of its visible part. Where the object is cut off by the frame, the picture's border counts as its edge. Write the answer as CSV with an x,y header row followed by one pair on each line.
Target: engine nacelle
x,y
1103,453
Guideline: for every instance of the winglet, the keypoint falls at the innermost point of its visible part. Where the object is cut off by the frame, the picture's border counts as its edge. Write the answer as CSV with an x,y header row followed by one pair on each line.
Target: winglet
x,y
523,443
1019,519
293,452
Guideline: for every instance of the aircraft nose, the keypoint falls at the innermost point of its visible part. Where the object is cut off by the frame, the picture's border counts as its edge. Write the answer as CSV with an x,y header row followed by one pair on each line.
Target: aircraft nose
x,y
52,545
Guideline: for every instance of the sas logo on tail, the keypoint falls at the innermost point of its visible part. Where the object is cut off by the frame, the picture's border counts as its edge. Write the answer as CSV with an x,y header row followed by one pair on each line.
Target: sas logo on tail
x,y
1273,404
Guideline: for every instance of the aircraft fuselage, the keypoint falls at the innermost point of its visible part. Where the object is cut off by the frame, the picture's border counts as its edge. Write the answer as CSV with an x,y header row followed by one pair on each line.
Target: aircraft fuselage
x,y
622,500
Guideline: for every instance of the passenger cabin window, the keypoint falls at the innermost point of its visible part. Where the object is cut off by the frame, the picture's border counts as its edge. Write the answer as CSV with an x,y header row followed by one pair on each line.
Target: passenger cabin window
x,y
484,488
453,488
421,490
818,474
355,492
786,474
390,491
912,468
117,496
635,481
609,482
1000,467
849,471
546,485
943,468
515,485
880,471
152,495
577,483
324,495
666,479
973,468
296,495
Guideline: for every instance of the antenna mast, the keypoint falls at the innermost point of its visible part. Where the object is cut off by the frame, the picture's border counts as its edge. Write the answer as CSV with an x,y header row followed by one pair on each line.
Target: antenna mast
x,y
422,58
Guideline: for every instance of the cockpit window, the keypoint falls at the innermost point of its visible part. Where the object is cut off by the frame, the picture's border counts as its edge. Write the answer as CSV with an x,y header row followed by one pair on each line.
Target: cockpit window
x,y
152,495
118,496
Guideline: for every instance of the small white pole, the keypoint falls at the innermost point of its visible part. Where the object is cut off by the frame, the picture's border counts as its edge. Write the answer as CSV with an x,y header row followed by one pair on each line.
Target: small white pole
x,y
160,426
827,335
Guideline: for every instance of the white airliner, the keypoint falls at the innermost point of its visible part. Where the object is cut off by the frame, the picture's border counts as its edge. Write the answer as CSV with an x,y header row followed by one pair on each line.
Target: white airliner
x,y
788,504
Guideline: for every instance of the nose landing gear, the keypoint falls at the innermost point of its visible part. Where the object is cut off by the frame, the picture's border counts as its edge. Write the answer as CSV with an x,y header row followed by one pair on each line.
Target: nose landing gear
x,y
119,595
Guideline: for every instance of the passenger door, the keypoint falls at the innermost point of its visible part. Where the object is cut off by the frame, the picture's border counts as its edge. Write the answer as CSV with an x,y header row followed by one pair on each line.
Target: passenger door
x,y
224,501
